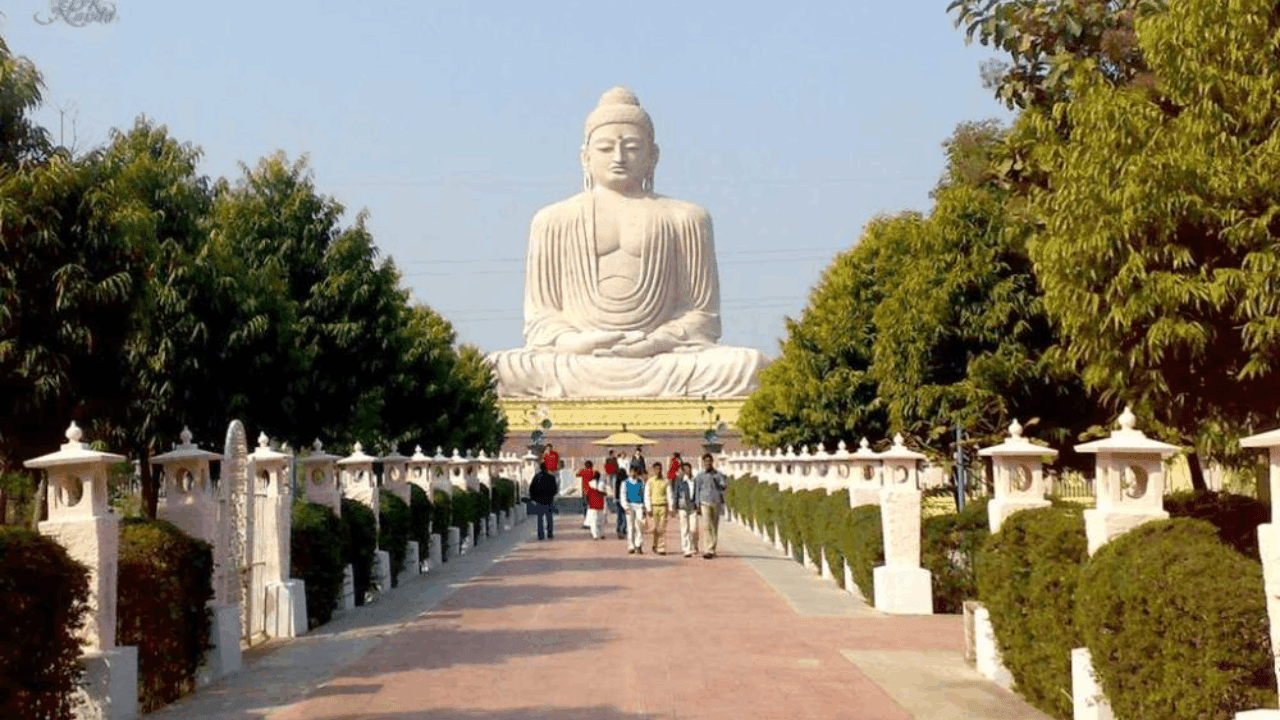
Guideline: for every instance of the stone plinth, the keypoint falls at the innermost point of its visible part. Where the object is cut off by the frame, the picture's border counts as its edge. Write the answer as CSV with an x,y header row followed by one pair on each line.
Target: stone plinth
x,y
286,609
1087,700
348,588
435,554
110,690
492,530
986,653
382,570
224,657
903,590
412,565
455,542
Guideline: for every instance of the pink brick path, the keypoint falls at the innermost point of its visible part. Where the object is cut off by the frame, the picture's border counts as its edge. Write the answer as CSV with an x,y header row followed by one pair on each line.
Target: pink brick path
x,y
575,628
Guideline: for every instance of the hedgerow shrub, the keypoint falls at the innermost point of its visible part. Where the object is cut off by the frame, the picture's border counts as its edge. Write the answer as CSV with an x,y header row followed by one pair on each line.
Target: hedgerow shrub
x,y
484,503
949,545
317,555
393,531
504,494
766,504
1027,577
789,523
810,533
362,541
164,586
1176,623
833,517
441,519
1236,517
465,508
420,519
862,543
45,595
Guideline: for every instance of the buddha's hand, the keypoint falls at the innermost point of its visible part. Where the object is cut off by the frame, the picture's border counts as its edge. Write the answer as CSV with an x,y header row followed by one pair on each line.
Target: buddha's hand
x,y
639,345
585,342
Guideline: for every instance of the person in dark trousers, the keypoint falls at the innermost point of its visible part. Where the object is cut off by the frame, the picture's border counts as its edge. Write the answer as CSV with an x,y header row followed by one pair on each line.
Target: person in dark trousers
x,y
708,495
542,492
619,478
637,464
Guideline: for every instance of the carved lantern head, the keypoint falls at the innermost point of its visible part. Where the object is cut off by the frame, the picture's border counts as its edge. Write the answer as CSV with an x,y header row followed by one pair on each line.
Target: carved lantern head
x,y
1130,475
900,467
77,478
1018,466
1270,441
186,472
358,480
320,478
270,469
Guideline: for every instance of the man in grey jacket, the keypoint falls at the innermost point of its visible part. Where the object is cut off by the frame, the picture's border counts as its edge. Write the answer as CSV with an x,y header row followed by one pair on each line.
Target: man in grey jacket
x,y
708,495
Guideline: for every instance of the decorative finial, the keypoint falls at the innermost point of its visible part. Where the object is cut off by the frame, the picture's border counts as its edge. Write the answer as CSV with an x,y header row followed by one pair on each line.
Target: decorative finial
x,y
897,440
74,433
1015,429
864,445
264,441
319,446
357,448
1127,419
185,435
439,450
841,447
417,449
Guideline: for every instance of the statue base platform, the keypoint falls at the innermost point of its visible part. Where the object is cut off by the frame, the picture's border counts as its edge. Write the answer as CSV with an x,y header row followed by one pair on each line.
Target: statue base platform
x,y
675,424
110,689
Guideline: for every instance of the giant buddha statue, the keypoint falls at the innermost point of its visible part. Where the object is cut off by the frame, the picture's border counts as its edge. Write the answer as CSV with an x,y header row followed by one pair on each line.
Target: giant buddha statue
x,y
622,296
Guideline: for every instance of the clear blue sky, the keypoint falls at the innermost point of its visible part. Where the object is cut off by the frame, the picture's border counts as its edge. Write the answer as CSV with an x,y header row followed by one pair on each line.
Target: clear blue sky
x,y
793,123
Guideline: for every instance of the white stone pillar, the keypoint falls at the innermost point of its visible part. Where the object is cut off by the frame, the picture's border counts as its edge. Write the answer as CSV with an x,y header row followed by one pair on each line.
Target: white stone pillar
x,y
1129,485
1018,475
360,484
902,587
191,505
285,604
1269,544
81,520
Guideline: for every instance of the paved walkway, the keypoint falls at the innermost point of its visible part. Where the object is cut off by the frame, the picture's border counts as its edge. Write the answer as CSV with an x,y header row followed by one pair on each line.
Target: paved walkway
x,y
575,628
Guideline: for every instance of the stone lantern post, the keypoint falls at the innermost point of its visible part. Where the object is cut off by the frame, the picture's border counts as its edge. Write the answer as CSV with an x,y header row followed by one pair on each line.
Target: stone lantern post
x,y
1018,469
1129,484
419,472
394,475
284,603
191,504
320,478
440,472
359,484
81,520
901,586
865,483
1269,544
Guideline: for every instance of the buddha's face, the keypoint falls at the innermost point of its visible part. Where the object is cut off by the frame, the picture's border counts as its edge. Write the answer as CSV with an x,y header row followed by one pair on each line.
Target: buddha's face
x,y
619,156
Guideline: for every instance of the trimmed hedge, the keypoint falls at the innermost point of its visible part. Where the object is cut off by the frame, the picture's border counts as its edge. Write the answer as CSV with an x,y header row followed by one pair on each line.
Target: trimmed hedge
x,y
394,525
1176,623
1027,577
45,595
1236,517
362,541
504,494
318,555
485,504
862,542
949,546
165,584
441,519
420,512
833,516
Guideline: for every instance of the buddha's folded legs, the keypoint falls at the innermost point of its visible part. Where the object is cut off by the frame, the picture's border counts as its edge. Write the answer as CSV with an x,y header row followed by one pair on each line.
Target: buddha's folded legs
x,y
718,371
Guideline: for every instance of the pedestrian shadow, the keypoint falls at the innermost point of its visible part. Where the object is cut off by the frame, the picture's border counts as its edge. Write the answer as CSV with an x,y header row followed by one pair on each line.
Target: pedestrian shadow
x,y
492,596
427,647
518,564
595,712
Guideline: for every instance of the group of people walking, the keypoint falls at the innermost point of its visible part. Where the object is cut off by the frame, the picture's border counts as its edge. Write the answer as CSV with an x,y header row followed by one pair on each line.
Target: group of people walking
x,y
648,493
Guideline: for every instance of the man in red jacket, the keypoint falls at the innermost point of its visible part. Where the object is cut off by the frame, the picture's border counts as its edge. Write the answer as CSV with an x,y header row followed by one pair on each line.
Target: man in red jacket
x,y
551,459
673,468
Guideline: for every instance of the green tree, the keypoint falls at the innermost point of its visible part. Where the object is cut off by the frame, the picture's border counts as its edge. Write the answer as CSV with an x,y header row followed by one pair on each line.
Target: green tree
x,y
1156,239
21,139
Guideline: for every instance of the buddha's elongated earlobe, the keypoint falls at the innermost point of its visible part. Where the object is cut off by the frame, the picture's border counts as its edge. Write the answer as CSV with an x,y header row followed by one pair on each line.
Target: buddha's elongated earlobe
x,y
586,180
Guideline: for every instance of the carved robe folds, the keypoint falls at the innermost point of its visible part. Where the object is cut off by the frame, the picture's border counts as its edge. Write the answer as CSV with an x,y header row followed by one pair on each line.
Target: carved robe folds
x,y
676,294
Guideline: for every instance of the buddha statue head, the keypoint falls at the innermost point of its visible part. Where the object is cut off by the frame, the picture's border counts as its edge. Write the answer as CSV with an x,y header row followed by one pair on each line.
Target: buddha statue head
x,y
618,151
